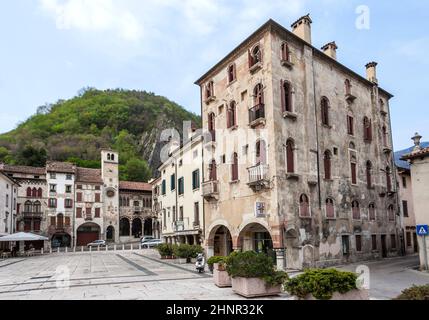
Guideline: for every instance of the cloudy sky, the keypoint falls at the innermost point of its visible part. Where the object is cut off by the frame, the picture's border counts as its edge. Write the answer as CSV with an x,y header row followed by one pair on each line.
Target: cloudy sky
x,y
52,48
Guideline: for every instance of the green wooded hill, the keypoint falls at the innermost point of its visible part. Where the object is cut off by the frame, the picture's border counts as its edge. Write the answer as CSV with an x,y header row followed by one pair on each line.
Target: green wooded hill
x,y
75,130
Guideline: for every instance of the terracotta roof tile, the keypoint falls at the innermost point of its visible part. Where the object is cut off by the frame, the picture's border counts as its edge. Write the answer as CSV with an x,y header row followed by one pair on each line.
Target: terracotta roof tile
x,y
23,169
62,167
88,175
135,186
421,153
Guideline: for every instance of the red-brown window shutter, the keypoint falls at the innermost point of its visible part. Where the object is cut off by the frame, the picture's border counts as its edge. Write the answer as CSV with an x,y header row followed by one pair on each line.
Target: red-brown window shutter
x,y
97,212
79,197
78,212
282,92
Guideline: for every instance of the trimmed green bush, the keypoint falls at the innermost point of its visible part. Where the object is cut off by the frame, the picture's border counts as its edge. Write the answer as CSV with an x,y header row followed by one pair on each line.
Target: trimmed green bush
x,y
215,259
165,249
321,283
196,250
415,293
254,265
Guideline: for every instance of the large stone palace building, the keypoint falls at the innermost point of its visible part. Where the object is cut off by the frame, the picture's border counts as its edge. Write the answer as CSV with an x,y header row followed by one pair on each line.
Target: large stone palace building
x,y
301,153
74,206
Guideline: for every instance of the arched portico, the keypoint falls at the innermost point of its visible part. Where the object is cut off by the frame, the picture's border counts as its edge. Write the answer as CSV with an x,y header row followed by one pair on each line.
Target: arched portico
x,y
124,227
220,241
256,237
148,227
137,228
110,234
87,233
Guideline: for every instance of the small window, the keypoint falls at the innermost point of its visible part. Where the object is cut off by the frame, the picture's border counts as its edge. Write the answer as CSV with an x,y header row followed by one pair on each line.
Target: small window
x,y
196,179
69,177
52,203
325,111
367,129
327,164
290,157
231,73
369,174
350,125
164,188
391,213
232,115
196,214
348,87
330,210
286,96
356,210
371,212
68,189
374,242
234,167
404,182
181,183
209,90
53,175
353,167
409,241
358,243
285,52
405,208
258,95
53,188
304,206
68,203
255,56
173,182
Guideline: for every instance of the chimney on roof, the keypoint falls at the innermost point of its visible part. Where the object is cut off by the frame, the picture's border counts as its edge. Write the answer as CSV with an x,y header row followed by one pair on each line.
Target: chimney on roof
x,y
302,28
330,50
371,72
417,138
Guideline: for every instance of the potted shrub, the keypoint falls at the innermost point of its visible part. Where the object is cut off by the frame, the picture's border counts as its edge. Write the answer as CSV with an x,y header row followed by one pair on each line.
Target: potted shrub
x,y
220,276
165,250
182,252
326,284
415,293
254,275
215,259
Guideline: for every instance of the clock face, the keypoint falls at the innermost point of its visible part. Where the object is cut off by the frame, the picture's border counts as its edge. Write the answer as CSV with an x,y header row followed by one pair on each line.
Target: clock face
x,y
110,193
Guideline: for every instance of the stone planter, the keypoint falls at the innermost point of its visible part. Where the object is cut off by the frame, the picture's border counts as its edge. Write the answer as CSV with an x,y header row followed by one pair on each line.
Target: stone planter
x,y
167,257
182,260
221,277
351,295
193,260
254,287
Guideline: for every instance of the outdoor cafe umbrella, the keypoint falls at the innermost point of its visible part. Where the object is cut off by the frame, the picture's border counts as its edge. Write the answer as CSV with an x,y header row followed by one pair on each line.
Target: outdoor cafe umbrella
x,y
22,236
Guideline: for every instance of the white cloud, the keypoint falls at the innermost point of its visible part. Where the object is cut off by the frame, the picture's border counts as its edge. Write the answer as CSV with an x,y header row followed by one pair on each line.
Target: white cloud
x,y
93,15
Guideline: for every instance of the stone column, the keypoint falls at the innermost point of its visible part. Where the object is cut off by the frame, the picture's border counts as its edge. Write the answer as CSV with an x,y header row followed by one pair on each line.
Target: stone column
x,y
186,239
281,259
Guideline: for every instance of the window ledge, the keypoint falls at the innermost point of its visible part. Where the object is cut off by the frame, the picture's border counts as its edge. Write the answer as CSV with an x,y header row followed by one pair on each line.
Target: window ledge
x,y
286,63
234,182
256,67
331,219
306,218
235,127
350,98
292,176
232,82
211,99
328,180
327,126
290,115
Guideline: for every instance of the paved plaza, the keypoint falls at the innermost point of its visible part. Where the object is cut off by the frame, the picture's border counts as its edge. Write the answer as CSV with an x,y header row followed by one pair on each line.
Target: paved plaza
x,y
141,275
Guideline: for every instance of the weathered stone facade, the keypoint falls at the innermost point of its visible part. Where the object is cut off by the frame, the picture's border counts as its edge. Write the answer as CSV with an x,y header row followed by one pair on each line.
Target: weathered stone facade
x,y
262,209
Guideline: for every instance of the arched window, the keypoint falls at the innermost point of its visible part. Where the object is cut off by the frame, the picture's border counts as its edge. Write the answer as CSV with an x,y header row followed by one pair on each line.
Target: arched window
x,y
286,95
285,52
37,207
28,192
330,210
367,129
212,126
34,193
384,132
327,164
369,174
304,206
209,89
231,73
213,171
261,152
258,95
255,56
371,212
382,110
356,210
290,157
325,111
234,167
348,86
108,157
391,213
388,179
232,114
40,193
28,207
112,157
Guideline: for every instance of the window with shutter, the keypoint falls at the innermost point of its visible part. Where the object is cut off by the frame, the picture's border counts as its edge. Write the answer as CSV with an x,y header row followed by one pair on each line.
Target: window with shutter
x,y
79,213
97,212
304,206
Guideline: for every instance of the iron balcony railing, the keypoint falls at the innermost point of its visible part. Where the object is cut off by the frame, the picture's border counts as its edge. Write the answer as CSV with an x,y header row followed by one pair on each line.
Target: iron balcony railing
x,y
257,113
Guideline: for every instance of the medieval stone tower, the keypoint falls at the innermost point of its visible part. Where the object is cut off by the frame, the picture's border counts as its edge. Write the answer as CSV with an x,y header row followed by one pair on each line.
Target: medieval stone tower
x,y
110,176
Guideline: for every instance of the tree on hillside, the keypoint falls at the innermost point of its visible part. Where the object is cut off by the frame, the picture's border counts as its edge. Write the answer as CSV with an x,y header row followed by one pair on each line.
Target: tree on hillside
x,y
135,170
30,156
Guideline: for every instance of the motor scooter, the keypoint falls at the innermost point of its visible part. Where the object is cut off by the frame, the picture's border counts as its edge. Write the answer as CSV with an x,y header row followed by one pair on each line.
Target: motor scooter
x,y
200,264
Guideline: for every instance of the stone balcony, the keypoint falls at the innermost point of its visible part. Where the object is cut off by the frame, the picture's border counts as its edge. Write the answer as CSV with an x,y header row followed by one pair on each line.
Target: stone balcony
x,y
259,177
211,190
257,115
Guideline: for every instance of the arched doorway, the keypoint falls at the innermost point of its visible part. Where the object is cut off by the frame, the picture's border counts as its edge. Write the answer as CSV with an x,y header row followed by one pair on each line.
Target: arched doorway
x,y
61,240
148,227
222,241
110,234
255,237
124,227
137,228
87,233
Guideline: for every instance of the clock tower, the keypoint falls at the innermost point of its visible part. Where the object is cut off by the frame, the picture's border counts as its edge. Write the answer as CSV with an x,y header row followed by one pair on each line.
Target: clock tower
x,y
110,176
